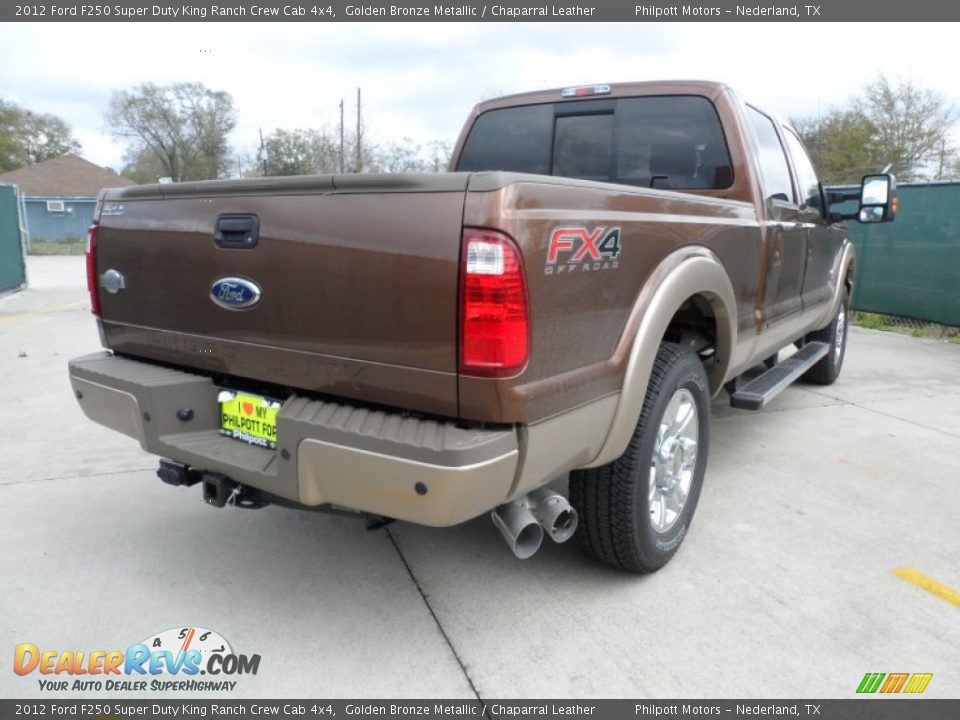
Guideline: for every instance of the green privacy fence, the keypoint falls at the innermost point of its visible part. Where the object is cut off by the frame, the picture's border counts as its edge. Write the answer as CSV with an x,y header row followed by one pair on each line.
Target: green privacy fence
x,y
911,267
12,271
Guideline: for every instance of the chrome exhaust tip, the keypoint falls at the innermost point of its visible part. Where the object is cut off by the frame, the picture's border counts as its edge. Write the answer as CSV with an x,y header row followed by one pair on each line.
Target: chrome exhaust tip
x,y
524,521
554,513
519,528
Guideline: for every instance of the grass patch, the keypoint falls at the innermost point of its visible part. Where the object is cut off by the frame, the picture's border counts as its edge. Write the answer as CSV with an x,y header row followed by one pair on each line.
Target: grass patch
x,y
871,321
906,326
46,247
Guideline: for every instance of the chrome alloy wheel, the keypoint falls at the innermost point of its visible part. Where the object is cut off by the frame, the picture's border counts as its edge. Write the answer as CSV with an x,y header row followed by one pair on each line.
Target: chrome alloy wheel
x,y
674,460
838,338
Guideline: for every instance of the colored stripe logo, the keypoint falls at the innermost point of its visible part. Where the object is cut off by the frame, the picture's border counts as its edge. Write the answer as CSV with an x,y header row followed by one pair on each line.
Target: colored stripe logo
x,y
891,683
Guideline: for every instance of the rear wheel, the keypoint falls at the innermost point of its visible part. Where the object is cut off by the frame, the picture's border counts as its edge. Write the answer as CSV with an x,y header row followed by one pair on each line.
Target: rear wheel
x,y
635,511
827,370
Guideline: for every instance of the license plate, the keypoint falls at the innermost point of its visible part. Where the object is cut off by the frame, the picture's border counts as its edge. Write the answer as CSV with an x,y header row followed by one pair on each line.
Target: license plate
x,y
250,418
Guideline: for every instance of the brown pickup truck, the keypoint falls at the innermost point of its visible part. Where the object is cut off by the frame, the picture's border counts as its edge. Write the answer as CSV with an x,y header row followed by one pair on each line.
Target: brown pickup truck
x,y
599,263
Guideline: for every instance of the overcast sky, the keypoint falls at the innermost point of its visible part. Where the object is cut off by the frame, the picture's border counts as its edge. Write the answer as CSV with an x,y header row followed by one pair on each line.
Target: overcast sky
x,y
421,80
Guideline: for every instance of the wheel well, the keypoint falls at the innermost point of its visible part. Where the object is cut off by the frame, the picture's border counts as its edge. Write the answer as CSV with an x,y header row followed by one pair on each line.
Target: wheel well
x,y
694,287
694,326
848,279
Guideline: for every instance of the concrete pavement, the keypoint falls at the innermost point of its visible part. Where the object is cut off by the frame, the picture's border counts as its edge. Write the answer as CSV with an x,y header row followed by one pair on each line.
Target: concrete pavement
x,y
783,588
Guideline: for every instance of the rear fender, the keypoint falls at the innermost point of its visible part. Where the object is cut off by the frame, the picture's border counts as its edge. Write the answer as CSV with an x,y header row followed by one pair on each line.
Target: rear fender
x,y
683,274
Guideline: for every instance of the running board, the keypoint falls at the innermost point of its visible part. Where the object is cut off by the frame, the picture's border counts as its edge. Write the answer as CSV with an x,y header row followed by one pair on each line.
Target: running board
x,y
764,388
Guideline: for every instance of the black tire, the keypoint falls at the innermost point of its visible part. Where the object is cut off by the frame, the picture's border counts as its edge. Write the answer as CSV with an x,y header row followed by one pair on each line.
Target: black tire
x,y
827,370
614,501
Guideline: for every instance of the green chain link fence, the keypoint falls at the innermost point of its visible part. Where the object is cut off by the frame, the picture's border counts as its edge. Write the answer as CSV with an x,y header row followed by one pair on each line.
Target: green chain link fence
x,y
12,269
908,271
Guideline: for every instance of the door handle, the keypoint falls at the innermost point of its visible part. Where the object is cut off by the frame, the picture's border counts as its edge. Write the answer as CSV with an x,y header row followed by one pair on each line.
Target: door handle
x,y
777,244
237,232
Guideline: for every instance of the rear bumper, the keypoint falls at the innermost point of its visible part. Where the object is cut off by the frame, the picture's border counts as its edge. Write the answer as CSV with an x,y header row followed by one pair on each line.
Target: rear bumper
x,y
327,453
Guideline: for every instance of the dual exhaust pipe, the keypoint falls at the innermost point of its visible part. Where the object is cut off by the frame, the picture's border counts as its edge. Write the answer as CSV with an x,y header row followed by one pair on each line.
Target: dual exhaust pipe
x,y
524,521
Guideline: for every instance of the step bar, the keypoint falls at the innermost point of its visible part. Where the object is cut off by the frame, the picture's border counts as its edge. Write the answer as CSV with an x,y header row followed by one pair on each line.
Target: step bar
x,y
764,388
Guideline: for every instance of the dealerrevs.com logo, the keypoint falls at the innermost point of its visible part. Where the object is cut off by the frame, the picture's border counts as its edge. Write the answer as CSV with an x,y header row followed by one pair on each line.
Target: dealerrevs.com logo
x,y
172,660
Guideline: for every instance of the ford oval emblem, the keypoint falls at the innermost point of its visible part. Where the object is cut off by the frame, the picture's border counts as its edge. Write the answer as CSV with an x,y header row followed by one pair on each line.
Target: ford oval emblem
x,y
235,293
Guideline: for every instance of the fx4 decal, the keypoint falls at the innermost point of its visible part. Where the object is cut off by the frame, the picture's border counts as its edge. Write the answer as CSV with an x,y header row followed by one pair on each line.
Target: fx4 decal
x,y
576,249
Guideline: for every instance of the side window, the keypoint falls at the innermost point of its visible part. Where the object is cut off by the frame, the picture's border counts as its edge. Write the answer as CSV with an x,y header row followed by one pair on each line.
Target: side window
x,y
806,175
515,139
674,141
773,162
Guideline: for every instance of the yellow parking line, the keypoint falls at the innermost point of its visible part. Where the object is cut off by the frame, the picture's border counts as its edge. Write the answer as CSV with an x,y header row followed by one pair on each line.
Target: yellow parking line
x,y
33,313
924,582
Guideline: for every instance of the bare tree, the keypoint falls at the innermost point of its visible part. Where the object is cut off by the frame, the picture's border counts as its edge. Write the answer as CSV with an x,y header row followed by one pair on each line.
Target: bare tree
x,y
911,124
440,154
904,125
397,157
183,126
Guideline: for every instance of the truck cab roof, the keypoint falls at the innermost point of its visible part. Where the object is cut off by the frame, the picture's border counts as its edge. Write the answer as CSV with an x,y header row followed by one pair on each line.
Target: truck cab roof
x,y
706,88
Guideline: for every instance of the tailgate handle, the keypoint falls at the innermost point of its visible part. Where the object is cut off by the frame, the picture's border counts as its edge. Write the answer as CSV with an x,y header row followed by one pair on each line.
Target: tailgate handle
x,y
237,231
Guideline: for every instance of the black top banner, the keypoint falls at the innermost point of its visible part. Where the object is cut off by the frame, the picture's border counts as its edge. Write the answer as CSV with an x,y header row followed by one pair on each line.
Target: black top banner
x,y
873,709
504,11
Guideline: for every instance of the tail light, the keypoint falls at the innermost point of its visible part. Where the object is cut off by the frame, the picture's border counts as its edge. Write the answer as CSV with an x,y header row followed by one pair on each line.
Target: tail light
x,y
494,318
92,285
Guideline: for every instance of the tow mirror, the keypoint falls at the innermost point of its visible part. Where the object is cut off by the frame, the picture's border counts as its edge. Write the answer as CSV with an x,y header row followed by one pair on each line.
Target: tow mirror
x,y
878,199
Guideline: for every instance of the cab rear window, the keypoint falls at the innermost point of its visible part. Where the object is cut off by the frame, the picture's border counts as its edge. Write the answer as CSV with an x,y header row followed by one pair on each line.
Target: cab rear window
x,y
673,141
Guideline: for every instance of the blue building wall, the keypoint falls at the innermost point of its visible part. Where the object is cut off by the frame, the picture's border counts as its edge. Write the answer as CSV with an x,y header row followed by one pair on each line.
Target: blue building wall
x,y
71,224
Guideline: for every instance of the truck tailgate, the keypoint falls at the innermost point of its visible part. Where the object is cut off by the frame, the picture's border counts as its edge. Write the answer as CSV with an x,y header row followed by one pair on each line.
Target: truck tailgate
x,y
357,278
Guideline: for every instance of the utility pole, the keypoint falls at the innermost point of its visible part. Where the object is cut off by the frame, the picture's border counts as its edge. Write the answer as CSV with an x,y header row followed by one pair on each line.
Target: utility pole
x,y
263,152
359,162
342,159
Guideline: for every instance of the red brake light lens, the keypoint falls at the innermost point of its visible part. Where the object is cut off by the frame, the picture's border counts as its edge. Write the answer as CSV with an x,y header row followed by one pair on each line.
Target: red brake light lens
x,y
494,322
585,90
93,286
